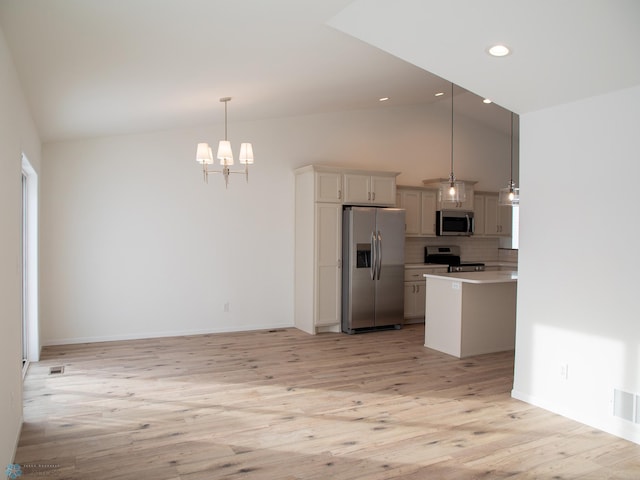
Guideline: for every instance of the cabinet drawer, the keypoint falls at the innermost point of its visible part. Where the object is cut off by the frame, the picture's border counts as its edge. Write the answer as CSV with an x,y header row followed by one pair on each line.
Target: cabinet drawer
x,y
414,274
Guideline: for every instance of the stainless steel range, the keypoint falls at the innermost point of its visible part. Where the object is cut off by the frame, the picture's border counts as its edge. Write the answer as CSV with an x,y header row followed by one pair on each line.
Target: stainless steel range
x,y
450,255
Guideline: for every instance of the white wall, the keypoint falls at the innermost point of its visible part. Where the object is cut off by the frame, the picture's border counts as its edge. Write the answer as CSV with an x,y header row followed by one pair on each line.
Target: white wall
x,y
578,299
134,244
17,135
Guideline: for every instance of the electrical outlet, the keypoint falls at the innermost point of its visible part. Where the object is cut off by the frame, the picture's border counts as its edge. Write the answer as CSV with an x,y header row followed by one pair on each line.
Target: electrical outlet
x,y
226,307
564,371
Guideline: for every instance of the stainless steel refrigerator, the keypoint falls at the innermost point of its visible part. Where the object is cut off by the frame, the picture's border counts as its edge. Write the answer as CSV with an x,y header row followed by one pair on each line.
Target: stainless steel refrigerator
x,y
373,268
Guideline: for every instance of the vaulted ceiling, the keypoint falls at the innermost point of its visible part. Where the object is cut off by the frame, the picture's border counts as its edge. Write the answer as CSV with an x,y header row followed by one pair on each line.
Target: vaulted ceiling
x,y
96,67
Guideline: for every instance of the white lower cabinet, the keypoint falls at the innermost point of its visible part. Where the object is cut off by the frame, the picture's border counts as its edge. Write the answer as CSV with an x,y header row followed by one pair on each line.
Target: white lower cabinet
x,y
415,292
414,298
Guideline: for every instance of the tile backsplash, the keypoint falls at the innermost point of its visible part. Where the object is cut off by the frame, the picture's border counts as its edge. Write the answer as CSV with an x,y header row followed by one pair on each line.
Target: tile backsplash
x,y
472,249
508,255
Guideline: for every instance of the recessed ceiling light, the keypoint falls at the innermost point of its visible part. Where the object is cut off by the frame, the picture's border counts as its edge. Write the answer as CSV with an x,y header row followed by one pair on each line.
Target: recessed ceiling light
x,y
487,100
383,99
439,94
499,50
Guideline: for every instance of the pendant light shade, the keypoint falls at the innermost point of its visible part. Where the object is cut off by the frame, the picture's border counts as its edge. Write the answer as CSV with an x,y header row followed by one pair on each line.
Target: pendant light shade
x,y
510,195
452,191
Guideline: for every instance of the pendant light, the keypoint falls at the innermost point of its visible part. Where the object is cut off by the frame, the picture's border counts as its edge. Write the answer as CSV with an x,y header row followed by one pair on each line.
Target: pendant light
x,y
204,154
510,195
452,191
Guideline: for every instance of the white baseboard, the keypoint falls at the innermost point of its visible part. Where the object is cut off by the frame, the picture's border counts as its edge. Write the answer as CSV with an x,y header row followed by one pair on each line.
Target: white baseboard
x,y
144,335
615,426
17,440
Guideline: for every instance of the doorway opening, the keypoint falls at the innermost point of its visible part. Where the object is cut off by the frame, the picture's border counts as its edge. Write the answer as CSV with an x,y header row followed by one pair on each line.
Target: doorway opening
x,y
30,330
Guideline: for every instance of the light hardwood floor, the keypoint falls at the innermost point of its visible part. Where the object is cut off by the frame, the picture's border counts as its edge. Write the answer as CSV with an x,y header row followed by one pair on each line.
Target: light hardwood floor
x,y
281,404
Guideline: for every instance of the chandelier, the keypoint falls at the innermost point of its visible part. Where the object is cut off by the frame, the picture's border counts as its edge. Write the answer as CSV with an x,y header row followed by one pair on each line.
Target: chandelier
x,y
204,155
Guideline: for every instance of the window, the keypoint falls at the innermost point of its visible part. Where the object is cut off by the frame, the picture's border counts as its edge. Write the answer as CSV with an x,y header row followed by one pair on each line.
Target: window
x,y
515,227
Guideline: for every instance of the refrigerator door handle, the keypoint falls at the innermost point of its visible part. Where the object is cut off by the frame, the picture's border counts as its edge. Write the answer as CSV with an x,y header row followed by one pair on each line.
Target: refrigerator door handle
x,y
372,266
379,256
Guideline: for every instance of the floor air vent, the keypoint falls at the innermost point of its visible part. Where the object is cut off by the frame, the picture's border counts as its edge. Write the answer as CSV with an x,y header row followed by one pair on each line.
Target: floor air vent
x,y
56,370
626,405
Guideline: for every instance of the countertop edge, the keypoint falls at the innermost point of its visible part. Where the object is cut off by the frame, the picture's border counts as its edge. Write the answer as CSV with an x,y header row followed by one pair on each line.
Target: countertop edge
x,y
476,277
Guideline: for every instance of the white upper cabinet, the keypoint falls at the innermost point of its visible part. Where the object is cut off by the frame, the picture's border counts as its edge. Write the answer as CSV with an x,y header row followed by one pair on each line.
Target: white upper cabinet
x,y
410,201
328,187
491,219
428,200
420,207
362,189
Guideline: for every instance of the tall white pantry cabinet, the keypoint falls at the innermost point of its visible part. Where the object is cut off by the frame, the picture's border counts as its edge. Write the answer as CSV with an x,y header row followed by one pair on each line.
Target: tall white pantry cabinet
x,y
319,199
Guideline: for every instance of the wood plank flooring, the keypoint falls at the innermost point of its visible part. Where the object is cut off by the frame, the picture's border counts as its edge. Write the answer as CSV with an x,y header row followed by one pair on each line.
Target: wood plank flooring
x,y
281,404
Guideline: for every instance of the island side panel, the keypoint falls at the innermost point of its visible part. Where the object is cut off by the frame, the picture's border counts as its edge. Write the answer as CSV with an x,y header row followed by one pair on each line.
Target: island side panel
x,y
443,321
488,318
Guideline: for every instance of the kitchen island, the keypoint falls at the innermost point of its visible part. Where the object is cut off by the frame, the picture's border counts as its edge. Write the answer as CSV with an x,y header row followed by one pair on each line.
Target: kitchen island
x,y
470,313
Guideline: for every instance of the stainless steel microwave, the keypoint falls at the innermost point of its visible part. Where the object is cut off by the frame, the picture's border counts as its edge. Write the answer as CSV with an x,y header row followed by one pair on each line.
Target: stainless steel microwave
x,y
454,222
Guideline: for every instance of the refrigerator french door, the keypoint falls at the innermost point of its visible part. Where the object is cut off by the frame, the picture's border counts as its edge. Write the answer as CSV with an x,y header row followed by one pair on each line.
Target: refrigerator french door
x,y
373,268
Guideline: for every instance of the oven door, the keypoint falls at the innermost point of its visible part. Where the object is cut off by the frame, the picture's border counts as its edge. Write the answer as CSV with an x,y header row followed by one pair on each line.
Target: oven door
x,y
454,222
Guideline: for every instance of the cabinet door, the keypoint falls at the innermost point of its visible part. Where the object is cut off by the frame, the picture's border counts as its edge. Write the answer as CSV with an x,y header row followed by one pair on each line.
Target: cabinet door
x,y
383,190
414,299
409,300
329,263
421,298
491,221
328,187
428,212
505,214
410,201
479,214
357,189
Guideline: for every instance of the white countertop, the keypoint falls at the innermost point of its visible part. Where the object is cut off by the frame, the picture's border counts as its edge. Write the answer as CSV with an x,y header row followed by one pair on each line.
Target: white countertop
x,y
477,277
